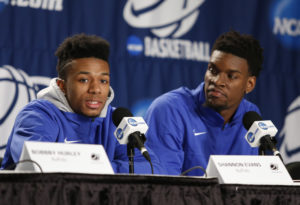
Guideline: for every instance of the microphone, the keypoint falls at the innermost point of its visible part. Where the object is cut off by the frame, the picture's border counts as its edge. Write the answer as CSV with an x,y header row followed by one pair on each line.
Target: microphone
x,y
260,132
130,130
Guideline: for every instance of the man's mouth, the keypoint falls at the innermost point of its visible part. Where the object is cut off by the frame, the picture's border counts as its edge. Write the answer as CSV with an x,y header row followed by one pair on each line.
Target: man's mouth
x,y
93,104
215,93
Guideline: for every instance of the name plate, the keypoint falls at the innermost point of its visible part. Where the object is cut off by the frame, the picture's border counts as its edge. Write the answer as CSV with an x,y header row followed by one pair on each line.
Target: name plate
x,y
62,157
241,169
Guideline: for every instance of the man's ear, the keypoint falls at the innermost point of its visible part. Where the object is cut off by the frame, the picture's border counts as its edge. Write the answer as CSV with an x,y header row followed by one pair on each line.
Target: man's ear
x,y
251,82
61,84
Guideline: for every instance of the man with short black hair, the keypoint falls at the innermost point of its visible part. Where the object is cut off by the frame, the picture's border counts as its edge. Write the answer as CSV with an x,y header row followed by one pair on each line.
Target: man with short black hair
x,y
75,108
187,126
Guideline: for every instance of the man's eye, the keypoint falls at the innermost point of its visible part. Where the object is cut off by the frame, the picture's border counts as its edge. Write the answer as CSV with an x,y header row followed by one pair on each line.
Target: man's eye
x,y
212,70
83,80
104,81
232,76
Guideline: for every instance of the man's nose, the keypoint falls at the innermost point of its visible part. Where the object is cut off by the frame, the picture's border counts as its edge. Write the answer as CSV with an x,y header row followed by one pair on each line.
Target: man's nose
x,y
95,87
220,79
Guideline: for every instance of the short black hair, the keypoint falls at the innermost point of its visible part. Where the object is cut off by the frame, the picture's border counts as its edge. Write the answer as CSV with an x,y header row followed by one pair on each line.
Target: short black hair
x,y
80,46
244,46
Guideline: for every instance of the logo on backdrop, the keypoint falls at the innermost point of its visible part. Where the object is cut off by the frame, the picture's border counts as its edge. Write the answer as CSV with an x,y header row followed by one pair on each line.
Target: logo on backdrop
x,y
16,90
3,3
51,5
178,17
289,135
285,22
167,20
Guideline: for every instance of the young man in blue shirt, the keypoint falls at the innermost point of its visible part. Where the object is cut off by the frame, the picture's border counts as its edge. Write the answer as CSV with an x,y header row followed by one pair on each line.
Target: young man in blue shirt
x,y
187,126
75,108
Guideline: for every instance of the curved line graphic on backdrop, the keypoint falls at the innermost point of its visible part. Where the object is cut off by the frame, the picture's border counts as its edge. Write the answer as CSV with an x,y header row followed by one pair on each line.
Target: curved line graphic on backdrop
x,y
12,105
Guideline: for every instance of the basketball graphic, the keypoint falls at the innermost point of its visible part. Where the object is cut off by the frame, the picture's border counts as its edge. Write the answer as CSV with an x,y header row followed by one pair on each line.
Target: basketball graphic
x,y
290,147
179,16
16,90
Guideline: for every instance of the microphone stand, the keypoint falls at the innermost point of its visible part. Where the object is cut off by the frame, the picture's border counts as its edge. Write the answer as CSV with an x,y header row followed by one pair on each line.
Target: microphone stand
x,y
263,147
134,141
130,154
267,143
261,150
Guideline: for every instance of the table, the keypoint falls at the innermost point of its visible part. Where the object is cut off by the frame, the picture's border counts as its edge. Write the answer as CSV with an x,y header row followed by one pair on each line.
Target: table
x,y
73,189
260,194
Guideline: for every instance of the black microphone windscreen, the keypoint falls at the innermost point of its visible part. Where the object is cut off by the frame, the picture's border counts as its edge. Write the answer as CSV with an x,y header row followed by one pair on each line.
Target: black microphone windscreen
x,y
249,118
119,114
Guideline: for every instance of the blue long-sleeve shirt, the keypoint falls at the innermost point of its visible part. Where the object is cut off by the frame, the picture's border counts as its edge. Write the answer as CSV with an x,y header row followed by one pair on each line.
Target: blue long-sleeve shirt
x,y
50,119
40,120
183,133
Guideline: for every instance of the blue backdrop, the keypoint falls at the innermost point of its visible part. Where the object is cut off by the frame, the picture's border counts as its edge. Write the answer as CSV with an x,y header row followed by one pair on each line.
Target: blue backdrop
x,y
156,46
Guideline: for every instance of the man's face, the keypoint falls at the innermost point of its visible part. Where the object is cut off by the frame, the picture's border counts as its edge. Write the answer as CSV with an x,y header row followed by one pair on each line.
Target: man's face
x,y
226,81
87,85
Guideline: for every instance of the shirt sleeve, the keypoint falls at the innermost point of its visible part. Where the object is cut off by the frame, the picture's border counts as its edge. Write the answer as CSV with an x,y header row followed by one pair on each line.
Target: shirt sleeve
x,y
165,134
32,124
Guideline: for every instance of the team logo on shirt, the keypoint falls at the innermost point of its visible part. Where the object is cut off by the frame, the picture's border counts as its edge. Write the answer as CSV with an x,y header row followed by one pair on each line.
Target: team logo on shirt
x,y
198,133
70,141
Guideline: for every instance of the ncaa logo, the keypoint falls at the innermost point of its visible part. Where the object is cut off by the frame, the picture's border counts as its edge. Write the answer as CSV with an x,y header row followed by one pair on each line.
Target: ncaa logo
x,y
16,90
132,122
250,137
285,22
134,45
119,133
262,125
179,16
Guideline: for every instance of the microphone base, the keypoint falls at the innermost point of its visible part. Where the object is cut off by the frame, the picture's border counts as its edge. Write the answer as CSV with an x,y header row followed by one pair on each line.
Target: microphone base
x,y
130,154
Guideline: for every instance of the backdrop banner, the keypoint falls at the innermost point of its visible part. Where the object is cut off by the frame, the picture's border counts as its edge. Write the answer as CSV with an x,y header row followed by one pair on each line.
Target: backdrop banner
x,y
156,46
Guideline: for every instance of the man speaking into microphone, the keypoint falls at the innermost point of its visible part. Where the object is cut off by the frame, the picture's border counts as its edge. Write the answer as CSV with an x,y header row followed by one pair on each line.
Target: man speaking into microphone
x,y
187,126
75,108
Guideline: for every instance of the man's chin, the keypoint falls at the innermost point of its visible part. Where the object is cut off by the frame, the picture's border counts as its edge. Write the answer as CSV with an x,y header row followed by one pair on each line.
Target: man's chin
x,y
215,105
92,114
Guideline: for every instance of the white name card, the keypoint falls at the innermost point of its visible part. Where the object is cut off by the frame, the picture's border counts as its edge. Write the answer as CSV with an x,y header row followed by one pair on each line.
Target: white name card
x,y
241,169
62,157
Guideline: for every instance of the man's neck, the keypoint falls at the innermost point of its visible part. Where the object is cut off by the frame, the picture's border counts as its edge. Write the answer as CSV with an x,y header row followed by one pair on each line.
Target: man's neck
x,y
227,114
